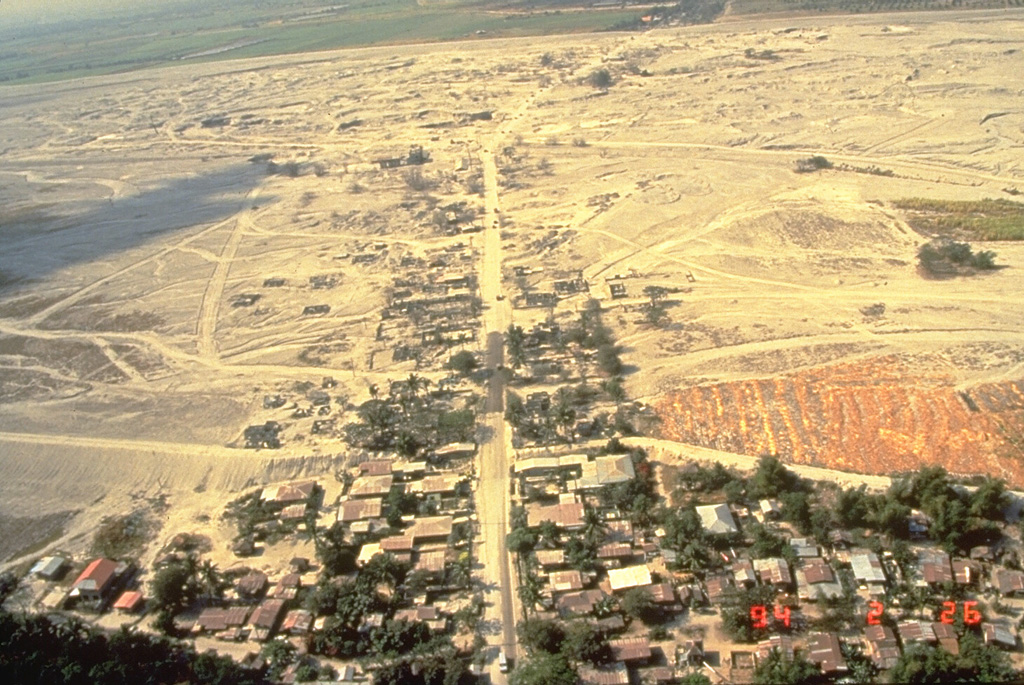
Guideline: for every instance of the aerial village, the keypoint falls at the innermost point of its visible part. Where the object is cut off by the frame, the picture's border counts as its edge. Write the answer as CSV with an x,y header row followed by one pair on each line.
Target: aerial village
x,y
626,569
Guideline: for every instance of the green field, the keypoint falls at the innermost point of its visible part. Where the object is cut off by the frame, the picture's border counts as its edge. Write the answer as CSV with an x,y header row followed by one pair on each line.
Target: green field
x,y
982,220
229,29
754,7
218,33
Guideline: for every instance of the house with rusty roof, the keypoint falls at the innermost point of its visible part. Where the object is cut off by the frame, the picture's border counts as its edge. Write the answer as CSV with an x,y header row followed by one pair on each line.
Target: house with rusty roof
x,y
424,614
719,586
566,581
550,559
916,631
432,561
935,568
289,493
947,637
825,650
436,486
881,646
781,643
252,585
430,529
565,515
578,603
632,650
265,619
966,572
288,587
375,467
815,578
297,622
614,553
615,673
774,571
360,509
215,619
371,486
1008,582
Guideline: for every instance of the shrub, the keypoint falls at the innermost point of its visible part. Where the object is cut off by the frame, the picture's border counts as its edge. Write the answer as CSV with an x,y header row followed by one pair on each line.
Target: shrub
x,y
811,164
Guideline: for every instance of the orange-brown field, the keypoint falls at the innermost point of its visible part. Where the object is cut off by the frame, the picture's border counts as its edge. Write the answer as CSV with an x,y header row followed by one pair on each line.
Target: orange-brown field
x,y
877,416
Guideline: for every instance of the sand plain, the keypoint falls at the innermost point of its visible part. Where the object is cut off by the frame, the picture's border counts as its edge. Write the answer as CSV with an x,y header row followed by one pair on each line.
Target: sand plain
x,y
138,208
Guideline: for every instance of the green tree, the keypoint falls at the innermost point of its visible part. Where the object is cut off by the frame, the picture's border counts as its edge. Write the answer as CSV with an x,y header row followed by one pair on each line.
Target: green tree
x,y
852,507
540,635
616,391
584,643
279,655
990,500
544,669
796,508
920,664
984,663
696,678
336,555
175,587
772,479
777,669
457,425
521,541
515,410
639,604
515,340
608,359
599,78
581,553
463,363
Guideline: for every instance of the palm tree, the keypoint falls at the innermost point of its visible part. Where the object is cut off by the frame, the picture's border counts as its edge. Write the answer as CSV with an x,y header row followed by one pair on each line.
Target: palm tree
x,y
564,413
416,383
212,581
514,340
593,526
529,593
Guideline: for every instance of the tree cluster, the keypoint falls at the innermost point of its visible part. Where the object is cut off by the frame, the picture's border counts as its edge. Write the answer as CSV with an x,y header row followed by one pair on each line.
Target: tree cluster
x,y
408,420
556,649
59,650
947,257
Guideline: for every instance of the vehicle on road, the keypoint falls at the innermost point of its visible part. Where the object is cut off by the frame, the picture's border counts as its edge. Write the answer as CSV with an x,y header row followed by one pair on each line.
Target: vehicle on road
x,y
502,662
500,298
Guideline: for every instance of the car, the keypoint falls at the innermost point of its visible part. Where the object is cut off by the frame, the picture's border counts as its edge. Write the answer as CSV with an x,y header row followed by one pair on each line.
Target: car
x,y
502,662
500,298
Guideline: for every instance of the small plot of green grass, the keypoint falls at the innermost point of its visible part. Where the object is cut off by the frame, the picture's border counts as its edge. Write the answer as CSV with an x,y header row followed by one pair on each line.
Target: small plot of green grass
x,y
986,219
